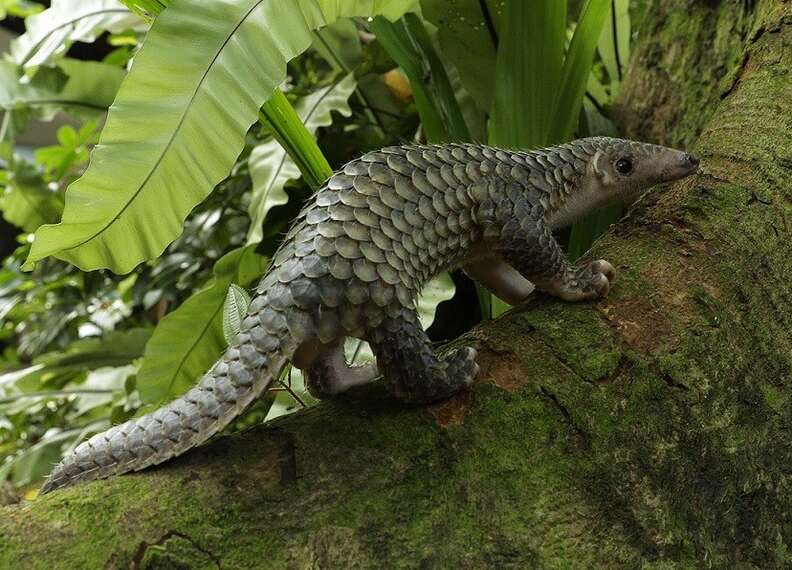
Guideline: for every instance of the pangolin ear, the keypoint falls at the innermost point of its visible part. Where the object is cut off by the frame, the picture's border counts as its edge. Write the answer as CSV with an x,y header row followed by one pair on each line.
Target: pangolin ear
x,y
598,166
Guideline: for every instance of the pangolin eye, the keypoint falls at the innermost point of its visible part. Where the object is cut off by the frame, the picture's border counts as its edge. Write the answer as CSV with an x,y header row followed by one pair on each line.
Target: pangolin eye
x,y
624,166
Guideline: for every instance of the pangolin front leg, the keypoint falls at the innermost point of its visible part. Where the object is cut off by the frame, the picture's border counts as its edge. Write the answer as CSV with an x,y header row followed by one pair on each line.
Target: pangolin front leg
x,y
500,279
525,241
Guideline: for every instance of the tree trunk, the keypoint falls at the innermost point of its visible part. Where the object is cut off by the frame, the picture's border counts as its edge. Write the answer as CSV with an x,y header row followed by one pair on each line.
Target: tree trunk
x,y
649,430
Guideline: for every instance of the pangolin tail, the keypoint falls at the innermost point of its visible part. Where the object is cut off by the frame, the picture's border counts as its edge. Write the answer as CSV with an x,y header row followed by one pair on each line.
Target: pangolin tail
x,y
250,364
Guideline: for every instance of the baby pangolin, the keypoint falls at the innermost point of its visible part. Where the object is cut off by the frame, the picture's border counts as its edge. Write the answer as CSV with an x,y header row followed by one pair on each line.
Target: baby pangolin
x,y
359,253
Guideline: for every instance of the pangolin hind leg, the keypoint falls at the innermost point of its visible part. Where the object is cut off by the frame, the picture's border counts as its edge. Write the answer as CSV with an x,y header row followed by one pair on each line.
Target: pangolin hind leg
x,y
412,370
329,373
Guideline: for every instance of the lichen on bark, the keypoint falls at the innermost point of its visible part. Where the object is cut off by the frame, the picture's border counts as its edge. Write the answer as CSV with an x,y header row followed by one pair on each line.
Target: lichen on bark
x,y
648,430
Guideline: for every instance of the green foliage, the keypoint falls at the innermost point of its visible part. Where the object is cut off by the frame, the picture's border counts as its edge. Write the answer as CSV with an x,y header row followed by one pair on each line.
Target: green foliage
x,y
238,47
232,114
271,165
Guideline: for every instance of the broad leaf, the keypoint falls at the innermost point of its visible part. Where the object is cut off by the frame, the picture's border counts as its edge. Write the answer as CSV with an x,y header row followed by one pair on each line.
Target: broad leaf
x,y
107,382
179,122
468,32
148,9
339,45
51,32
271,167
189,340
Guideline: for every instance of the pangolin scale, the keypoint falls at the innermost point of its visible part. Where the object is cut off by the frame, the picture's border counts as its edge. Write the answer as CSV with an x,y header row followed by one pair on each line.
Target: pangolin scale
x,y
357,256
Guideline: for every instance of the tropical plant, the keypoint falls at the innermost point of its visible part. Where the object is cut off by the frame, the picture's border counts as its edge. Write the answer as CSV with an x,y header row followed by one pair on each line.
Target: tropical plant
x,y
132,266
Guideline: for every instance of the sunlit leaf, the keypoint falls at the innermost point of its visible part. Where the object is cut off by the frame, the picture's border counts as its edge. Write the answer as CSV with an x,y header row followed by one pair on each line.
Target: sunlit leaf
x,y
270,165
50,33
110,379
20,9
189,340
179,122
437,290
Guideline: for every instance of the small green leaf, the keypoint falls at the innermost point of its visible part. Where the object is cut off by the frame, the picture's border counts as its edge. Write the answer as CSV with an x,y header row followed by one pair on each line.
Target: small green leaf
x,y
190,339
234,310
27,201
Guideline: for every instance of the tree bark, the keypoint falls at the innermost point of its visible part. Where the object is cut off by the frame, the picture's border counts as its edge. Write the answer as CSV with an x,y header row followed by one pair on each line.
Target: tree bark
x,y
648,430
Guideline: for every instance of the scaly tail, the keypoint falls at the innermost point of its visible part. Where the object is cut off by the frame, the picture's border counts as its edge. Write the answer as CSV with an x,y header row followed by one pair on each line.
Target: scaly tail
x,y
252,362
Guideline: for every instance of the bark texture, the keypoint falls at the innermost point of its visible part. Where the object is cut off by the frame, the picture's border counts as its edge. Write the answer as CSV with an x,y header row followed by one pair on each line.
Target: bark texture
x,y
651,430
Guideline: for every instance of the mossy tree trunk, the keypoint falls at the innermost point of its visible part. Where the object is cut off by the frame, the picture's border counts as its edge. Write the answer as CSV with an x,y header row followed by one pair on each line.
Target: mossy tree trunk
x,y
649,430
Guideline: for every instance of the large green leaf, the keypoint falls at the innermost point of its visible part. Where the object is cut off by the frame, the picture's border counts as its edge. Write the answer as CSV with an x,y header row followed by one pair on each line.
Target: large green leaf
x,y
179,122
189,340
84,87
468,33
528,72
270,165
51,32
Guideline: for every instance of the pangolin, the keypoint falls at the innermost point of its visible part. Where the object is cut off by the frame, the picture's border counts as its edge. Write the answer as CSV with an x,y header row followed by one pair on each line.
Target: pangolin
x,y
358,254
